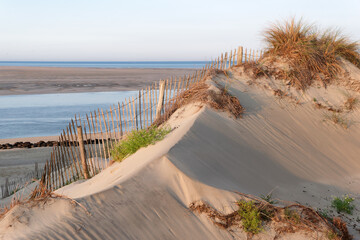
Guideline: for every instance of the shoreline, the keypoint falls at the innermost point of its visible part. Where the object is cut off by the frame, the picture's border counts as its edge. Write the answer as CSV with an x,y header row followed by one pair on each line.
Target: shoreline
x,y
46,80
25,140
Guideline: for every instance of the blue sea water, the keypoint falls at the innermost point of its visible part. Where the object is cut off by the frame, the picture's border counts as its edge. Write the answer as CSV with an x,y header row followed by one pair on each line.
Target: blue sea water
x,y
48,114
141,64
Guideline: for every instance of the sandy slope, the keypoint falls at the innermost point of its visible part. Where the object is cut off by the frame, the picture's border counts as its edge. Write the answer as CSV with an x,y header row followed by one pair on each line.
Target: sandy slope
x,y
290,149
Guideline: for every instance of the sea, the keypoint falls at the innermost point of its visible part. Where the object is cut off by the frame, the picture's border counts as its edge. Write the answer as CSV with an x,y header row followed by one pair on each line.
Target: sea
x,y
47,114
137,64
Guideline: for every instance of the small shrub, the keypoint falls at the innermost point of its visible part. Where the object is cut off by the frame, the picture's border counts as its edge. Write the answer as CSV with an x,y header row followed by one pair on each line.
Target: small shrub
x,y
343,204
250,216
292,215
136,140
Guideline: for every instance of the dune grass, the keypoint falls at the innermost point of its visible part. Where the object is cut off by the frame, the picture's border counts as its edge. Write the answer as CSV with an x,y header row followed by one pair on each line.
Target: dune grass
x,y
136,140
313,54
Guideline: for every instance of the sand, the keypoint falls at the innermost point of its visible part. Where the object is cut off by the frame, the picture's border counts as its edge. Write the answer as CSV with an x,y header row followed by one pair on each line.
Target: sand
x,y
281,146
41,80
38,80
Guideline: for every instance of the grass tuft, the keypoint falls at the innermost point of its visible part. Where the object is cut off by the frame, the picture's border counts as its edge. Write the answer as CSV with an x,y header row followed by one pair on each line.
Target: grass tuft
x,y
292,215
311,53
250,216
136,140
268,198
343,204
351,103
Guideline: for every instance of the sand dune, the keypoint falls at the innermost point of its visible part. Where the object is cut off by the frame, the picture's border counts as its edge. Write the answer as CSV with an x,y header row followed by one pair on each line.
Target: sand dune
x,y
284,146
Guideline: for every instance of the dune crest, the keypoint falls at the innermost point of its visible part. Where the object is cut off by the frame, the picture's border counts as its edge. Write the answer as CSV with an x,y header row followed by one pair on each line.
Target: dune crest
x,y
283,144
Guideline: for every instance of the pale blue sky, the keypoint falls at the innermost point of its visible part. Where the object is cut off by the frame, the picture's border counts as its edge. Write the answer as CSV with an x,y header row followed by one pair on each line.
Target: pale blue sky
x,y
117,30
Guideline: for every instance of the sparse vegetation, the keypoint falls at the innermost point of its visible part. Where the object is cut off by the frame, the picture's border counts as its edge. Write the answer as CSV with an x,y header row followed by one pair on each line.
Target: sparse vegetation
x,y
136,140
324,214
268,198
351,103
312,54
250,216
292,215
256,215
343,204
337,119
331,235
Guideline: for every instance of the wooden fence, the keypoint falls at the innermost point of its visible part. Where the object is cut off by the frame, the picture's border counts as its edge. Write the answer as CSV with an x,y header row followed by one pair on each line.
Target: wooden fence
x,y
85,144
12,185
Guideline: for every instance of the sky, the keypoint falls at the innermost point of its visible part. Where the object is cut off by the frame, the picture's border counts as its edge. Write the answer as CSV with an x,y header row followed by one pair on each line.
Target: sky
x,y
153,30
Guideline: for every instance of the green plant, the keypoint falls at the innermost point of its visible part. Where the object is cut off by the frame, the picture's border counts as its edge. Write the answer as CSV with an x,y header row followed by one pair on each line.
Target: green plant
x,y
250,216
343,204
314,99
291,215
268,198
324,213
136,140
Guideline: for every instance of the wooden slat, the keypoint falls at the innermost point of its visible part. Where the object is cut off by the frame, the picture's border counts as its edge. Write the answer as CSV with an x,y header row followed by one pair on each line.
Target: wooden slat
x,y
107,153
131,115
109,129
112,112
82,152
125,118
96,137
100,132
147,101
230,58
139,113
90,159
142,110
151,102
120,121
71,145
73,152
74,135
91,145
65,160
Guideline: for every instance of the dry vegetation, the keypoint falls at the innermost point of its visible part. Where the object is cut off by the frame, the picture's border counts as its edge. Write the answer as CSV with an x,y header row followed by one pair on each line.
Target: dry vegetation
x,y
305,53
256,215
200,92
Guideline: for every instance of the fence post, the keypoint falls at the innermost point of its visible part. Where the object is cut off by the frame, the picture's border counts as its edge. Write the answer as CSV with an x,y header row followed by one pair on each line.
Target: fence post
x,y
36,171
240,55
161,99
82,152
6,189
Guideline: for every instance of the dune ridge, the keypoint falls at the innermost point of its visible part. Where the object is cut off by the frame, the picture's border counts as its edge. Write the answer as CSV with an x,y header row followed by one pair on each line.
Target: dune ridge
x,y
280,145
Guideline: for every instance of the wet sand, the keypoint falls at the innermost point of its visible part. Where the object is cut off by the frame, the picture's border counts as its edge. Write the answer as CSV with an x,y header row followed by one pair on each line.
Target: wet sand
x,y
38,80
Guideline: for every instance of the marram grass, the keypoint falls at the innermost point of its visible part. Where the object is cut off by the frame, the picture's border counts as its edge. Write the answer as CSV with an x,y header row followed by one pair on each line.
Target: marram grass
x,y
136,140
311,52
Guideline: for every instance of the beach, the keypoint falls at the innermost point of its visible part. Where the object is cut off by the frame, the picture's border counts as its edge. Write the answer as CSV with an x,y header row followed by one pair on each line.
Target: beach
x,y
47,80
42,80
276,147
